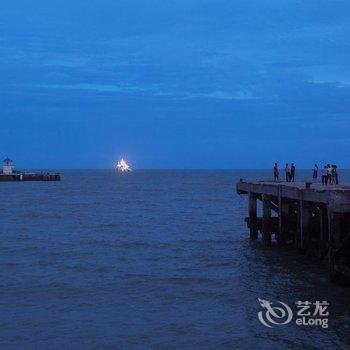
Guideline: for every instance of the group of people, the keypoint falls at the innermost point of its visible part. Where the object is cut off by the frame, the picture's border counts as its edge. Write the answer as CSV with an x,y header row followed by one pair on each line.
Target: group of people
x,y
289,170
329,173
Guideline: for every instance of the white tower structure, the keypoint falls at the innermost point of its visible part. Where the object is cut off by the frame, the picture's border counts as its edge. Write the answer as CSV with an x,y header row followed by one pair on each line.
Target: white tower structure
x,y
7,168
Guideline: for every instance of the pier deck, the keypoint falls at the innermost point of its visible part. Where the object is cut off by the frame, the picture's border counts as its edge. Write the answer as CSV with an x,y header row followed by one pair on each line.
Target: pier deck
x,y
313,217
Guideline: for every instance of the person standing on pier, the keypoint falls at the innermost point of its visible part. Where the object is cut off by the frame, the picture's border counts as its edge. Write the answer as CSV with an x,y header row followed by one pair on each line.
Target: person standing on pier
x,y
324,175
314,175
287,169
329,174
276,172
334,175
292,173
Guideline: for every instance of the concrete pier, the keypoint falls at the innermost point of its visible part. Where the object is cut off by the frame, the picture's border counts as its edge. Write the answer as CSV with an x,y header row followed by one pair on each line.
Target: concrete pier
x,y
313,217
9,173
30,177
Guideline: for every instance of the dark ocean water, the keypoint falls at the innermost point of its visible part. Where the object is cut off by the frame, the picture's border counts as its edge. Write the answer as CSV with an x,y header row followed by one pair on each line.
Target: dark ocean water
x,y
150,260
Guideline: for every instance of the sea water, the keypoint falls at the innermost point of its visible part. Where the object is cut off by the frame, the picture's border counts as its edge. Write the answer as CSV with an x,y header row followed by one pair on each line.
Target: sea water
x,y
151,260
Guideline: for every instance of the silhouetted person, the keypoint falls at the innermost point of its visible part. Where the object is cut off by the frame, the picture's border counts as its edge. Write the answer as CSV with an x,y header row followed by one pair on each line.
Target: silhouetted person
x,y
287,169
329,174
292,173
276,173
315,174
334,175
324,175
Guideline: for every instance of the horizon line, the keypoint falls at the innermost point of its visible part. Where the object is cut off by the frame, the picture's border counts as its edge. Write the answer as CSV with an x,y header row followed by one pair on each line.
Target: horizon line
x,y
171,169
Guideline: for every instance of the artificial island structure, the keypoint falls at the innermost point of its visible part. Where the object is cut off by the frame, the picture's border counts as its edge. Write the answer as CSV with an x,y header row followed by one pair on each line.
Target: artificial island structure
x,y
123,166
10,174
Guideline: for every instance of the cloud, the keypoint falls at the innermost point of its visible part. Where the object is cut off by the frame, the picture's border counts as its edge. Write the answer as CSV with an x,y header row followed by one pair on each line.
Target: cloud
x,y
93,87
152,91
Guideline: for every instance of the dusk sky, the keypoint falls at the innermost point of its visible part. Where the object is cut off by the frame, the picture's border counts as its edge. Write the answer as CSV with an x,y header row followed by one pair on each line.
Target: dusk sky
x,y
174,84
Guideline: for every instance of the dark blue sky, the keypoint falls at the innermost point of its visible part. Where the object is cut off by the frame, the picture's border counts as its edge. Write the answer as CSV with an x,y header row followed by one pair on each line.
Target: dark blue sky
x,y
174,84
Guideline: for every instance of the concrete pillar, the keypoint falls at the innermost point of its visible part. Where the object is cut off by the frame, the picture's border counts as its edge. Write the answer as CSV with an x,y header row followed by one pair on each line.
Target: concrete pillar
x,y
283,211
266,225
322,232
253,225
305,218
297,236
334,240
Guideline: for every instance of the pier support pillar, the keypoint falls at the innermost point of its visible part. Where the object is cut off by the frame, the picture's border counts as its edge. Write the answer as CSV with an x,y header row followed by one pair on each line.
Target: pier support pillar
x,y
283,211
304,214
322,232
297,236
266,225
305,217
333,241
253,224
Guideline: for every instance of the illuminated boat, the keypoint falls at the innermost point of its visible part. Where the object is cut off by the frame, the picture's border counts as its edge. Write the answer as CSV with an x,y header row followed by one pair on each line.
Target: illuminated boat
x,y
123,166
